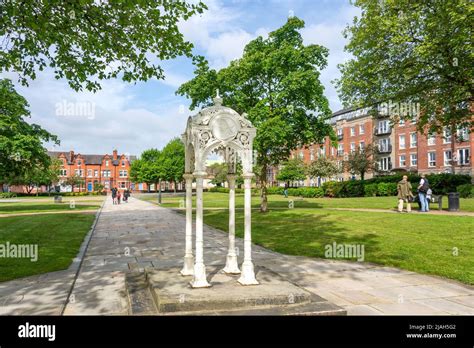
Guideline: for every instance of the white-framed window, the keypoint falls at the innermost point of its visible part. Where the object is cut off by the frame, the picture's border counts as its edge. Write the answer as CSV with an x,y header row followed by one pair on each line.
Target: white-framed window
x,y
339,131
63,172
413,140
89,172
447,136
353,131
333,151
431,159
106,173
361,129
96,173
402,161
311,154
340,149
463,134
123,163
353,147
362,146
431,140
383,126
401,122
384,164
301,154
413,159
384,144
106,163
463,157
123,173
322,151
401,141
78,172
448,156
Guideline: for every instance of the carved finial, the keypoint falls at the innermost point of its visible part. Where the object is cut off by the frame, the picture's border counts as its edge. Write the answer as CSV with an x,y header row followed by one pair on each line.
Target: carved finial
x,y
217,99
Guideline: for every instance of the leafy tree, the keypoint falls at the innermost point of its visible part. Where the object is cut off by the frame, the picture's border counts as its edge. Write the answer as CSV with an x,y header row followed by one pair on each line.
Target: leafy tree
x,y
361,161
87,41
276,82
293,170
416,52
172,158
148,169
99,187
322,167
219,173
21,143
74,181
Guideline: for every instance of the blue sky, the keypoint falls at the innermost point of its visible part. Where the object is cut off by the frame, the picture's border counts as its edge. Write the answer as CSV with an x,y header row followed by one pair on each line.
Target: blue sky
x,y
135,117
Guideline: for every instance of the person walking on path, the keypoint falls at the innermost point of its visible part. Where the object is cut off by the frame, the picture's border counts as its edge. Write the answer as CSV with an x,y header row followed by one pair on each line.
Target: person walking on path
x,y
423,188
114,195
118,197
126,194
404,194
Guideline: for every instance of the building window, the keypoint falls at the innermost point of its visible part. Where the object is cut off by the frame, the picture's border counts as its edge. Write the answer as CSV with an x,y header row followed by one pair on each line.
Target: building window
x,y
340,149
463,134
322,151
106,163
361,129
78,172
413,140
63,172
402,160
401,142
339,131
89,172
384,145
385,164
431,159
431,140
301,154
96,173
446,136
311,154
413,159
463,157
122,185
361,146
123,163
447,157
383,127
106,173
353,147
401,122
79,162
123,173
353,131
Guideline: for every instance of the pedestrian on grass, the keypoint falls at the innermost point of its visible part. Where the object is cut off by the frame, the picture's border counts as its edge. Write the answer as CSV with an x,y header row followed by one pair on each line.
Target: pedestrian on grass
x,y
404,194
423,188
285,190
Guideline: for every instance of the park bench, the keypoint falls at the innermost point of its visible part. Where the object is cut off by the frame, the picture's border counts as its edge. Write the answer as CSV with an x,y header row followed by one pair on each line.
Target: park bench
x,y
434,199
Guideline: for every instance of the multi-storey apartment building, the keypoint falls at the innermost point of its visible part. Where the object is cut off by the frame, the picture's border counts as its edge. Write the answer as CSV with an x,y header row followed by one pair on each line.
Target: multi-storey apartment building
x,y
108,170
400,147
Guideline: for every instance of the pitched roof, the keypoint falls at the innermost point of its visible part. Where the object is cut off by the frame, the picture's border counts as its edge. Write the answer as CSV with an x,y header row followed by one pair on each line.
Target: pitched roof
x,y
88,159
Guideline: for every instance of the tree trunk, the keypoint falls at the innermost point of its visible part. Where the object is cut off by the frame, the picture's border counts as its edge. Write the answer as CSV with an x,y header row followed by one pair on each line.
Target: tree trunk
x,y
453,148
362,175
263,192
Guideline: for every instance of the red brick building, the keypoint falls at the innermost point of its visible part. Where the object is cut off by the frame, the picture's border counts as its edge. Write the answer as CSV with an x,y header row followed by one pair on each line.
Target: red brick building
x,y
400,147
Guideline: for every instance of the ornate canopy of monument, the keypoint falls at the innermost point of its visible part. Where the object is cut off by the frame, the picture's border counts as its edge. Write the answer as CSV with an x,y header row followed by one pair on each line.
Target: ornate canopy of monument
x,y
222,130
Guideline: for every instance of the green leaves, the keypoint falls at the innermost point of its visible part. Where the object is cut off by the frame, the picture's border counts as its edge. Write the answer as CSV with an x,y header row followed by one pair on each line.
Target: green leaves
x,y
293,170
87,41
413,51
21,143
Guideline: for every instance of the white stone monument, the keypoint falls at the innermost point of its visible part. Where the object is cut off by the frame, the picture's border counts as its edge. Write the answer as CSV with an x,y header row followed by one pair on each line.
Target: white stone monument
x,y
221,130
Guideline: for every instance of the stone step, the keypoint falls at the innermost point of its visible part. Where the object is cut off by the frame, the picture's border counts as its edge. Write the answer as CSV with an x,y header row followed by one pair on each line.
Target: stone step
x,y
141,300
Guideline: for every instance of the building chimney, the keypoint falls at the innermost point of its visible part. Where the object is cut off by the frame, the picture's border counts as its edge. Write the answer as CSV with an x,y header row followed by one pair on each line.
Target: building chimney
x,y
71,156
115,155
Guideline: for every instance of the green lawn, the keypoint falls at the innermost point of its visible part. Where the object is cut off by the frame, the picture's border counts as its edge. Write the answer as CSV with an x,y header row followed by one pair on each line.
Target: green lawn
x,y
220,200
416,242
41,207
58,238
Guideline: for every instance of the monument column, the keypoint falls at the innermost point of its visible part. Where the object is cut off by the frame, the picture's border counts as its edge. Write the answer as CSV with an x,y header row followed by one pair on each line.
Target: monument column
x,y
248,275
188,268
199,280
231,265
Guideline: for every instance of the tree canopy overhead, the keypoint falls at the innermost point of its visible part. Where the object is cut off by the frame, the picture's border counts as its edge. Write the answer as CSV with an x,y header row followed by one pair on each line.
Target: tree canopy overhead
x,y
413,51
86,41
276,82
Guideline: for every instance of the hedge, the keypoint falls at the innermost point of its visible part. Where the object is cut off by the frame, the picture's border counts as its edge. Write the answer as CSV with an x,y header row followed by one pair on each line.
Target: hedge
x,y
52,194
466,191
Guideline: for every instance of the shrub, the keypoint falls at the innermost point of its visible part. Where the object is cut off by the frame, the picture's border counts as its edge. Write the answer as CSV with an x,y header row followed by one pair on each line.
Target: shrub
x,y
7,194
370,190
275,190
332,188
386,189
466,191
352,188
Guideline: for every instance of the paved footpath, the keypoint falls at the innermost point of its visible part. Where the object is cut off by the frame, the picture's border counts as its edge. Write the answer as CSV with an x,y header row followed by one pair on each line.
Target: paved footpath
x,y
138,234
